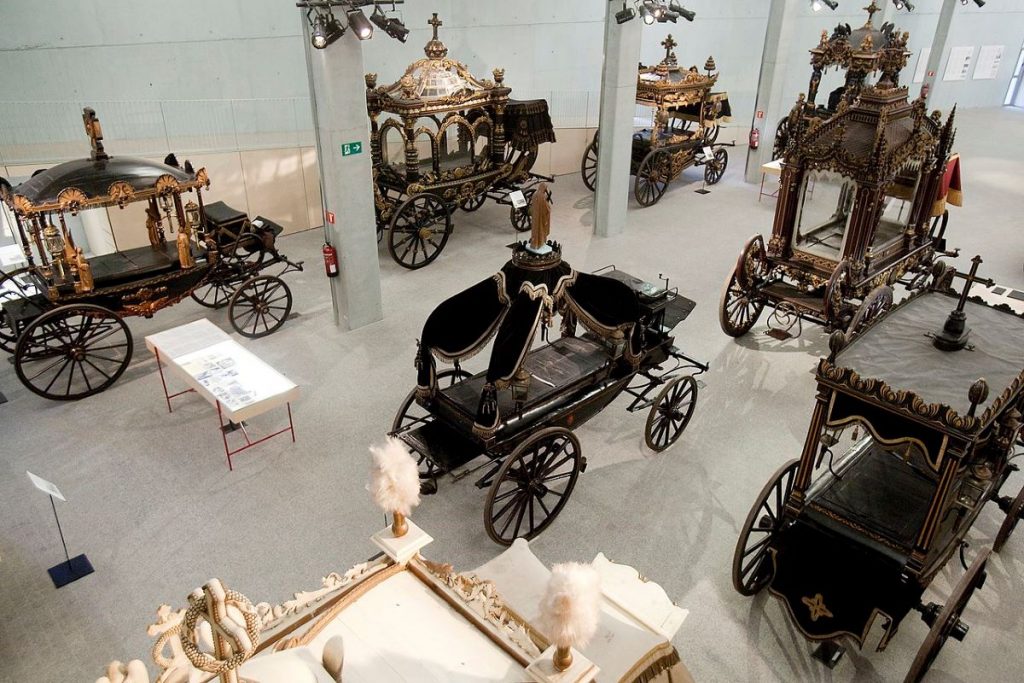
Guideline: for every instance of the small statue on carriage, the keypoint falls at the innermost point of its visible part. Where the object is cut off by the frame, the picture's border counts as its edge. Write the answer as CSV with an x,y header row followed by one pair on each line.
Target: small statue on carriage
x,y
687,118
442,138
861,206
62,314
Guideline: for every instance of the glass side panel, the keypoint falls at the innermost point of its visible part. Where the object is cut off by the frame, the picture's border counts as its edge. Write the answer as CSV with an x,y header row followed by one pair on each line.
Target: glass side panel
x,y
826,200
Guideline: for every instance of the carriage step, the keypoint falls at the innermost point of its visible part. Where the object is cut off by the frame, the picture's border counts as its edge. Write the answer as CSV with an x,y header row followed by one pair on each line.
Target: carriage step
x,y
829,653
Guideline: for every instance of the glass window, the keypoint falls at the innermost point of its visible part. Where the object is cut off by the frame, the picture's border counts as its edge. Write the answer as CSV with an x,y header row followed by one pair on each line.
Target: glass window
x,y
826,200
896,207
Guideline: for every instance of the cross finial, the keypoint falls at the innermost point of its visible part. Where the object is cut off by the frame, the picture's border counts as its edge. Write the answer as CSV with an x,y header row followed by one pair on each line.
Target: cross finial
x,y
971,277
436,23
668,44
871,9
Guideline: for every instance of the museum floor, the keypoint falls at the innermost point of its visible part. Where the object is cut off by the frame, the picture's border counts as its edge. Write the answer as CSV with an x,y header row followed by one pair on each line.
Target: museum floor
x,y
152,502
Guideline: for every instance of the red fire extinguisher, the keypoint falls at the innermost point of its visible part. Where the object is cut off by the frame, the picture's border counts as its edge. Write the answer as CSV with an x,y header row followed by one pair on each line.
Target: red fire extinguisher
x,y
331,260
755,138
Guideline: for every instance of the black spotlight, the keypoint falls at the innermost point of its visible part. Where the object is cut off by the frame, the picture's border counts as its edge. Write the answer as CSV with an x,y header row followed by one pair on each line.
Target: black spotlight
x,y
358,22
669,15
391,26
979,3
326,29
647,15
816,4
625,14
687,14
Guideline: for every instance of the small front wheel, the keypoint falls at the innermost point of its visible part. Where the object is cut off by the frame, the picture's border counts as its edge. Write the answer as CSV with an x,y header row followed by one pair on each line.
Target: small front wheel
x,y
671,413
260,306
714,168
522,219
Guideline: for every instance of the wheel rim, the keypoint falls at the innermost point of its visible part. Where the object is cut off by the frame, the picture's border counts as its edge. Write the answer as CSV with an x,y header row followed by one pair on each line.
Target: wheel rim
x,y
419,231
1010,522
671,413
875,304
73,352
521,219
651,179
532,486
589,167
411,415
473,203
215,293
739,308
260,306
23,278
750,560
716,169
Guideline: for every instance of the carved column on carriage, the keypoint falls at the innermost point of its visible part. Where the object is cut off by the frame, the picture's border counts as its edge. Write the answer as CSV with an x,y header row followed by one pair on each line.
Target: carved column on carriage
x,y
780,245
412,155
498,142
812,87
25,247
865,212
919,555
375,144
810,451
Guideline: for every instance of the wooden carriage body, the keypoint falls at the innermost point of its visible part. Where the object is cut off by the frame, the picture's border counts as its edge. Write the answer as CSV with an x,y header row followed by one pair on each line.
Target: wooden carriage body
x,y
862,533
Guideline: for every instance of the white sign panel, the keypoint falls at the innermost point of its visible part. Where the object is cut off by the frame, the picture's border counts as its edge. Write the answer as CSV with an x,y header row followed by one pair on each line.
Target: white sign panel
x,y
518,200
989,58
959,63
47,487
922,65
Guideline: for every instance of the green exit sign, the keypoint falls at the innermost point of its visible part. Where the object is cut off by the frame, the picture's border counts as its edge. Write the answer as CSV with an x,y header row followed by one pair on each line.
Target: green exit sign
x,y
350,148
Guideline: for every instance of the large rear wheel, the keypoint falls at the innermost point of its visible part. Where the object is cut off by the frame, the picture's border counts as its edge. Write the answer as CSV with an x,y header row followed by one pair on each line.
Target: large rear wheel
x,y
419,230
588,167
73,351
652,177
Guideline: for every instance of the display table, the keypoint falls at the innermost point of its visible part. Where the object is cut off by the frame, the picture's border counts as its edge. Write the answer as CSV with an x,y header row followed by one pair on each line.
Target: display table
x,y
771,168
237,383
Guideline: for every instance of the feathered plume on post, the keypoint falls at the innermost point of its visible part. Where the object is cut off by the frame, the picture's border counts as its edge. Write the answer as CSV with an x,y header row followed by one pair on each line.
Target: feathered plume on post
x,y
570,609
394,482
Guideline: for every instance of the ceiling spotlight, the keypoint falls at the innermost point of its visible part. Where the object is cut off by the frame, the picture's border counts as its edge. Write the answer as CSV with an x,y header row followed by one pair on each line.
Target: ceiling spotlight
x,y
816,5
646,15
625,14
325,30
979,3
358,22
390,25
687,14
668,15
904,4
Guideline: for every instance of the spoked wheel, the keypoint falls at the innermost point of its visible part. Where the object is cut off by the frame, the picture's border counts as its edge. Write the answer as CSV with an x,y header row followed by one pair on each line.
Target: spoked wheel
x,y
671,413
522,219
652,177
214,293
948,623
260,306
781,139
588,168
19,283
73,351
473,203
877,302
533,485
411,415
419,231
836,305
751,568
715,167
1010,523
741,303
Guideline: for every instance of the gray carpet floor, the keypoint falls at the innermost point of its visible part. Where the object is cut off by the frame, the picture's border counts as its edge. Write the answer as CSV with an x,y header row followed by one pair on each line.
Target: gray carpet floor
x,y
151,501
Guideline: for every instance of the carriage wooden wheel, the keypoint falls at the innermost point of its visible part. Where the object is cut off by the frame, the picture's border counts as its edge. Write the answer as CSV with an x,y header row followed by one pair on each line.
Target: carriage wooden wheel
x,y
1010,523
741,304
419,230
588,167
73,351
214,293
260,306
533,485
877,302
715,167
521,218
473,203
948,623
671,413
21,281
750,563
652,177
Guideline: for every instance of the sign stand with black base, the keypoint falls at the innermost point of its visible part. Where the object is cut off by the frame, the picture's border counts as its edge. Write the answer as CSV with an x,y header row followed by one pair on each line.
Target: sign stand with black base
x,y
72,568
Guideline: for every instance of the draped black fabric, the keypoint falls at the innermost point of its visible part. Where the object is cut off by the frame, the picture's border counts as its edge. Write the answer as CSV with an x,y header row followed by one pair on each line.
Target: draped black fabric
x,y
609,303
514,338
550,277
528,123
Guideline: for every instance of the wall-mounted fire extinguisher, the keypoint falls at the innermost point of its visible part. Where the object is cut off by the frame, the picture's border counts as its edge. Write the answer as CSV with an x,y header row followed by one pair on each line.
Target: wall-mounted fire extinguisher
x,y
330,260
755,138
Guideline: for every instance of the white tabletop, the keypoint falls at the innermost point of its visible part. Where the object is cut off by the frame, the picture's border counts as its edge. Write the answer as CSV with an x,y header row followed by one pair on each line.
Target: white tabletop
x,y
221,370
772,167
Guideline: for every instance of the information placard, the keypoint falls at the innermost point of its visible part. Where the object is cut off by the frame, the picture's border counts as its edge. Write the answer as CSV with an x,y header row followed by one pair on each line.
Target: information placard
x,y
989,59
959,63
47,487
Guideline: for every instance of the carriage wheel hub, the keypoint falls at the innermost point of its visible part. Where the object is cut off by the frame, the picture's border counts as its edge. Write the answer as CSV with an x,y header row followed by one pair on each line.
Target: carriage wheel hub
x,y
424,233
77,353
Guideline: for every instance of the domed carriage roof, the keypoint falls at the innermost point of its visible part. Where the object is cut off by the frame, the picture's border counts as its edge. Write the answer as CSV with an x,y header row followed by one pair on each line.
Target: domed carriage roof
x,y
667,83
867,48
436,83
100,180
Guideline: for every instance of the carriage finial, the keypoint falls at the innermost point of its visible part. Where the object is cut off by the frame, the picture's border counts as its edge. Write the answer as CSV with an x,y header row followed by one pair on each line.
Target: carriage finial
x,y
95,133
871,10
669,44
435,49
955,332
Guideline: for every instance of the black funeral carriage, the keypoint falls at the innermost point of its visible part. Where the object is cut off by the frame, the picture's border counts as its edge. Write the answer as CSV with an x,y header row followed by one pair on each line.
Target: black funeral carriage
x,y
62,315
519,414
906,444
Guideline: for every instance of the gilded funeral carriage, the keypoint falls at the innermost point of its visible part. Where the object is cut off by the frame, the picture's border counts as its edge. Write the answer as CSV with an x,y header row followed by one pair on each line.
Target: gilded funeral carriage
x,y
860,209
62,314
686,119
441,139
518,415
915,426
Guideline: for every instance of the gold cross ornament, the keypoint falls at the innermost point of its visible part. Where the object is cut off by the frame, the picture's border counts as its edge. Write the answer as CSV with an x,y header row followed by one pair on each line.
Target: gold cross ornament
x,y
817,607
668,44
436,23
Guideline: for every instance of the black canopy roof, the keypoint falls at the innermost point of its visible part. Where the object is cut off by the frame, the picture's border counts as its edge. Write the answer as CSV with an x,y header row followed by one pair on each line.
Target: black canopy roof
x,y
94,177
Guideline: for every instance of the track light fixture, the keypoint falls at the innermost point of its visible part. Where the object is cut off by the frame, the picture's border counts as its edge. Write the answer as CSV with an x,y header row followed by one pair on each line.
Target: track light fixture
x,y
325,30
390,25
904,4
646,14
653,11
325,27
816,5
358,22
625,14
687,14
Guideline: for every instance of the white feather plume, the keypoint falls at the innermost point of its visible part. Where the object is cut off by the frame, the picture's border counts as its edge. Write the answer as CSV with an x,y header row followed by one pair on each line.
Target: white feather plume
x,y
570,608
394,478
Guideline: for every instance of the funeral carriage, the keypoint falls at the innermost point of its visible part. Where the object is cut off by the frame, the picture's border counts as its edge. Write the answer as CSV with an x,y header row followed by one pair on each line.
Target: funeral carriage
x,y
686,116
443,139
861,208
63,314
915,426
519,414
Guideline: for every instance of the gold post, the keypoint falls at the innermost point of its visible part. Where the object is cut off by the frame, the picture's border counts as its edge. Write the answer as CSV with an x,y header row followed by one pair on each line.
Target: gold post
x,y
399,527
562,658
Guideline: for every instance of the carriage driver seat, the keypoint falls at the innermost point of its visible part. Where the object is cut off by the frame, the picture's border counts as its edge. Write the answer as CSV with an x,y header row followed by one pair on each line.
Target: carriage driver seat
x,y
227,224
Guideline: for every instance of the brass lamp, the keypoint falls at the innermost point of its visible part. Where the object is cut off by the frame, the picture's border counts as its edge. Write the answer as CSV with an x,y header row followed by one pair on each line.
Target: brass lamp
x,y
192,215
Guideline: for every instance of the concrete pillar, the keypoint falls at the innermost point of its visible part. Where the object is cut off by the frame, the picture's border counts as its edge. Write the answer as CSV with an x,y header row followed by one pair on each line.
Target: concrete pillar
x,y
615,140
938,47
770,99
337,84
